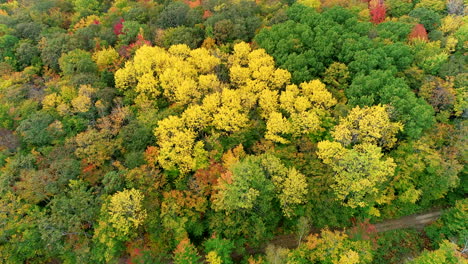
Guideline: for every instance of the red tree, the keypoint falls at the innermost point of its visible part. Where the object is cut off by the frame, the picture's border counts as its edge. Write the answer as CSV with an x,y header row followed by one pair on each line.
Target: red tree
x,y
118,27
418,32
378,13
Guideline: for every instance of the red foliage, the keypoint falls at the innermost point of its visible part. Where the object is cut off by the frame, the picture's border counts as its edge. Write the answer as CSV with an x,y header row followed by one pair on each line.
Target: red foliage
x,y
193,3
205,179
418,32
151,155
89,168
135,253
141,41
119,27
378,13
96,22
363,230
207,14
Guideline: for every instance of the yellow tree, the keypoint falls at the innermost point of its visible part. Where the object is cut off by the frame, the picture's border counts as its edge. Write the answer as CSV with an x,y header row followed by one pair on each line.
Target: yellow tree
x,y
291,185
178,148
180,74
331,247
277,126
106,59
293,191
367,125
360,173
253,71
126,212
231,113
305,105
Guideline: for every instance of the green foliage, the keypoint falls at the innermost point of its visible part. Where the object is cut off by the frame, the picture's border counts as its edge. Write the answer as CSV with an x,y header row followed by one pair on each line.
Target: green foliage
x,y
77,61
307,44
7,49
173,15
233,21
245,193
424,174
222,247
147,130
398,8
36,129
72,214
27,54
429,18
452,225
382,87
191,37
395,246
53,47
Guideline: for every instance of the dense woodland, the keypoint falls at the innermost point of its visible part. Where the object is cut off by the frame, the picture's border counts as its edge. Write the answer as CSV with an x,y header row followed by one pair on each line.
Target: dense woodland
x,y
165,131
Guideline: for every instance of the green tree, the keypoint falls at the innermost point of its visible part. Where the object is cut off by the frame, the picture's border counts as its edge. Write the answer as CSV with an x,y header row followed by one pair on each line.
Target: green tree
x,y
424,174
382,87
77,61
398,8
243,203
173,15
222,247
451,225
36,130
192,37
72,215
186,253
429,18
53,46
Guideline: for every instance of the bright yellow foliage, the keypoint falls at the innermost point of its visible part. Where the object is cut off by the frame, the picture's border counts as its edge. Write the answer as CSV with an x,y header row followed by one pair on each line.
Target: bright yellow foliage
x,y
333,247
176,143
367,125
350,257
254,71
268,102
318,94
310,3
305,106
81,103
294,191
436,5
106,58
51,101
213,258
231,114
176,72
86,21
359,172
188,77
126,210
277,125
451,23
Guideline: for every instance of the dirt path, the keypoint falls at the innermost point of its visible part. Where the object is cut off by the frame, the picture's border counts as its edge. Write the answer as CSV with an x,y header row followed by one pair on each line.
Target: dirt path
x,y
417,221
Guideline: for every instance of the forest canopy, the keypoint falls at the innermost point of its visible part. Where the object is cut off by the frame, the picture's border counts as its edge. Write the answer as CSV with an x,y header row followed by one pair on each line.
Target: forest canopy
x,y
241,131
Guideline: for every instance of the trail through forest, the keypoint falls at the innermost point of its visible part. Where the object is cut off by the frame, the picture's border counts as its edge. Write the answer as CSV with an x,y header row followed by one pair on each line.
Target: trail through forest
x,y
417,221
